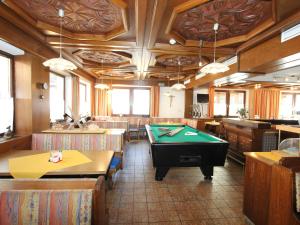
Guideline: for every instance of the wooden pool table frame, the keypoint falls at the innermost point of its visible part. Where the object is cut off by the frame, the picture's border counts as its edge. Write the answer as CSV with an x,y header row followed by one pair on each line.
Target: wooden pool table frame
x,y
205,155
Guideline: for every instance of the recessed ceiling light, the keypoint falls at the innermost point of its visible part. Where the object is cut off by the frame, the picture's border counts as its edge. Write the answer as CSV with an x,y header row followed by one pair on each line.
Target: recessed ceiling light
x,y
172,41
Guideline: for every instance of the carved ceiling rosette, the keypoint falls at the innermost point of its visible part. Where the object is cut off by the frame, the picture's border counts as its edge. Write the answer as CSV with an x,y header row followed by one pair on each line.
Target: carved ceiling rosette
x,y
97,17
173,60
167,76
236,17
101,56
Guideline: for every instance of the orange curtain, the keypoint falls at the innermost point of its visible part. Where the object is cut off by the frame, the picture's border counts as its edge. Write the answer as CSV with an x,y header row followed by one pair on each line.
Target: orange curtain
x,y
102,102
154,111
266,103
211,93
75,96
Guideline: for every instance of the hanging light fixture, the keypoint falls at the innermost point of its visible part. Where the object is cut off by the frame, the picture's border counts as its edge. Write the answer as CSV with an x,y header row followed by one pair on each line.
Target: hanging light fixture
x,y
168,93
178,86
60,63
215,67
200,56
101,85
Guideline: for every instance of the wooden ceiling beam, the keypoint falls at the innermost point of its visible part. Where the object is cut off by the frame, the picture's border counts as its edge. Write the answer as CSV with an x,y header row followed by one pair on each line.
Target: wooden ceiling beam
x,y
271,32
52,40
222,51
11,16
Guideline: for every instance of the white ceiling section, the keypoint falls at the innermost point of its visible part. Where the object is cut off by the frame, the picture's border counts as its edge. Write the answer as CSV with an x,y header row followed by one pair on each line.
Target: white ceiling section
x,y
10,49
291,75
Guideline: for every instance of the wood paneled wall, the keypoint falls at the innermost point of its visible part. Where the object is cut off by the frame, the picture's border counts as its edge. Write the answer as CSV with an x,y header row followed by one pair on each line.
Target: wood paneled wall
x,y
188,102
17,143
32,114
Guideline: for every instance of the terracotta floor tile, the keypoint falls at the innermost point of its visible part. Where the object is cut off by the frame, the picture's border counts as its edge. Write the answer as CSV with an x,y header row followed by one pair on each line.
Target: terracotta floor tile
x,y
140,216
171,215
155,216
182,198
154,206
214,213
140,206
185,215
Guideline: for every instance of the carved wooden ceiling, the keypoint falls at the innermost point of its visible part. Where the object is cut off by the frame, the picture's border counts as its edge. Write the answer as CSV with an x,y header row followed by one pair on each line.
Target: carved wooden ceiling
x,y
132,36
236,17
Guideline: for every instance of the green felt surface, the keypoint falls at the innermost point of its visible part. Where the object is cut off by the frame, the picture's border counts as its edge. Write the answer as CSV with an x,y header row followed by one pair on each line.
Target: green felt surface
x,y
180,137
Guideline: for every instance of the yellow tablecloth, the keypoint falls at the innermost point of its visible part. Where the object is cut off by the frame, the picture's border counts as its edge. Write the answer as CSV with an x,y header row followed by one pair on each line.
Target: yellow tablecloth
x,y
35,166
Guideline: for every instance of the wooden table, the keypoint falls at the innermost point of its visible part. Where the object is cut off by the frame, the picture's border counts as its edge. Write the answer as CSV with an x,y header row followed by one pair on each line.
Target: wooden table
x,y
287,128
98,167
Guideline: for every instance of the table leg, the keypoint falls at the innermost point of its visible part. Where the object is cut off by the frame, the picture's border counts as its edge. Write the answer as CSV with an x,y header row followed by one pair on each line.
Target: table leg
x,y
208,171
279,137
160,173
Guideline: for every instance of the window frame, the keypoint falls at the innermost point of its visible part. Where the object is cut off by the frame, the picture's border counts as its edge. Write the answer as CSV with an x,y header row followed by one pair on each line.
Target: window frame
x,y
228,92
12,86
64,95
131,95
294,94
87,94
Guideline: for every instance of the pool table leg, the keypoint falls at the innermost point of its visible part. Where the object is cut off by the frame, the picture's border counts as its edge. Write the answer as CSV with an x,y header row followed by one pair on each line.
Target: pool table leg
x,y
160,173
208,171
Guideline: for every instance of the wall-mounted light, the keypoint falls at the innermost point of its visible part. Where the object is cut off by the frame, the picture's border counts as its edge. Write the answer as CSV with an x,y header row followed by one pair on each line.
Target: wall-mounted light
x,y
172,41
42,87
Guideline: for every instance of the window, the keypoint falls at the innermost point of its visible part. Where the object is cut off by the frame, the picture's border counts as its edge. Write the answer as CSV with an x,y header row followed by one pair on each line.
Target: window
x,y
141,102
120,100
6,93
290,105
84,98
227,103
57,97
130,101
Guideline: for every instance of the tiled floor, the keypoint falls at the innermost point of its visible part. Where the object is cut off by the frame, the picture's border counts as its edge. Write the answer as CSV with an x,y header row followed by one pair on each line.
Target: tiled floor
x,y
183,197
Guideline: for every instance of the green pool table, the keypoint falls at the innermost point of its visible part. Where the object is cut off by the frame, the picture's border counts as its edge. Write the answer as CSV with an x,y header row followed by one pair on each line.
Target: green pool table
x,y
182,150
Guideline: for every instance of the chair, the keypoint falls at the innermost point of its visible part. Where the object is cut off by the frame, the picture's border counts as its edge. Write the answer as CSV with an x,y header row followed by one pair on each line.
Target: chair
x,y
52,201
291,145
134,129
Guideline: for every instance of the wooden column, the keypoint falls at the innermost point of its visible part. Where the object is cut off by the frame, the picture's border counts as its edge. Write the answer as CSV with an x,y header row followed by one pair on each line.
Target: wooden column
x,y
32,114
188,102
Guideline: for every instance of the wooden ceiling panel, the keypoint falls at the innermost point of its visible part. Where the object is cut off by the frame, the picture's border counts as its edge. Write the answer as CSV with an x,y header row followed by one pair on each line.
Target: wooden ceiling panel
x,y
236,17
97,56
83,19
132,36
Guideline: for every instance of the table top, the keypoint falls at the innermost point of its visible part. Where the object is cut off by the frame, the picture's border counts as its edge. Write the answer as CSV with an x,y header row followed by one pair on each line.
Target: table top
x,y
272,157
99,165
213,123
110,131
289,128
181,137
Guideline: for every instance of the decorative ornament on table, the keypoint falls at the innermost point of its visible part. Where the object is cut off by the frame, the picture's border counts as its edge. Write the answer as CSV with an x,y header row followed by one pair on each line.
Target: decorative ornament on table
x,y
8,134
55,156
60,63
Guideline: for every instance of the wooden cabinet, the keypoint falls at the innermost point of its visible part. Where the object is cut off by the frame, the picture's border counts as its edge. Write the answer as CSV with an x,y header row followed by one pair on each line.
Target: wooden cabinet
x,y
256,192
244,136
269,194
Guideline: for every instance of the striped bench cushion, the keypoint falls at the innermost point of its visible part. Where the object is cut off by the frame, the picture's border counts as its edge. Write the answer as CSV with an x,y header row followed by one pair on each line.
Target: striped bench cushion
x,y
37,207
82,142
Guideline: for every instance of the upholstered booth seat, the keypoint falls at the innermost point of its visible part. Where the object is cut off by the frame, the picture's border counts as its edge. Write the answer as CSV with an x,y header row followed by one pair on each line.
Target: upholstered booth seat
x,y
82,142
52,201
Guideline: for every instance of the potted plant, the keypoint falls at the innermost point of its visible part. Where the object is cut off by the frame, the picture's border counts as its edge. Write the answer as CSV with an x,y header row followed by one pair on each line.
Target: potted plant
x,y
242,113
